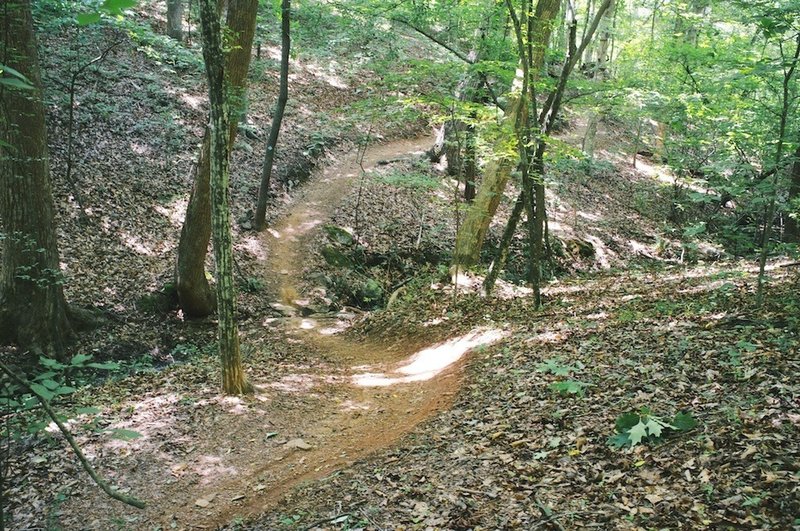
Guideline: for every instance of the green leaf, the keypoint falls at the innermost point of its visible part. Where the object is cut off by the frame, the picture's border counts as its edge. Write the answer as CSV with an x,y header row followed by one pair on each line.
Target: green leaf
x,y
51,363
9,403
636,433
42,391
109,365
13,82
572,387
50,384
36,427
619,440
79,359
15,73
684,421
554,366
626,421
88,410
84,19
653,428
115,6
65,390
125,435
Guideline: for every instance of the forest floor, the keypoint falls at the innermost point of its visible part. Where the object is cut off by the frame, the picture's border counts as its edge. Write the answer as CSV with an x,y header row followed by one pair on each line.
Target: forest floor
x,y
367,428
446,410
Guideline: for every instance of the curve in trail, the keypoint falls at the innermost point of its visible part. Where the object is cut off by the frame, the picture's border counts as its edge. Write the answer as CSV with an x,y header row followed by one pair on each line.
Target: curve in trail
x,y
382,391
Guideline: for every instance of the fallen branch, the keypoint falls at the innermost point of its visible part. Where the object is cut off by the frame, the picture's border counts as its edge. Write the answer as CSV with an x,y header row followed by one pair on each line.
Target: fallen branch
x,y
75,448
326,520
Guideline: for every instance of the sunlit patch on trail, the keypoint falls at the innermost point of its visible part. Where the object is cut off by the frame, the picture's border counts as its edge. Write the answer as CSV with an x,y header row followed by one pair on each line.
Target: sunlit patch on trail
x,y
547,337
253,246
211,467
294,383
429,362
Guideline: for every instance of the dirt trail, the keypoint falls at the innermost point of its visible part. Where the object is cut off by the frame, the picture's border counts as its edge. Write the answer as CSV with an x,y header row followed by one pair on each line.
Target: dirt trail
x,y
205,460
375,393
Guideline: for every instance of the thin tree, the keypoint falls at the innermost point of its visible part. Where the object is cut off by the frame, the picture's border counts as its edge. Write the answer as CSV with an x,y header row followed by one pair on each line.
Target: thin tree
x,y
195,296
233,377
532,146
33,310
277,118
788,64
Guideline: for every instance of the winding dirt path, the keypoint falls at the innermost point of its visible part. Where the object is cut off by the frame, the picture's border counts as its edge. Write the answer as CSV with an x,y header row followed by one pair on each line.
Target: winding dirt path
x,y
376,394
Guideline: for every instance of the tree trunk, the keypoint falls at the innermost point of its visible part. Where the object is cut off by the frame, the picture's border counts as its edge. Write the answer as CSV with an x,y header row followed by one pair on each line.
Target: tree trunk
x,y
470,162
280,107
472,232
33,310
505,244
175,19
603,42
194,293
589,138
792,225
233,378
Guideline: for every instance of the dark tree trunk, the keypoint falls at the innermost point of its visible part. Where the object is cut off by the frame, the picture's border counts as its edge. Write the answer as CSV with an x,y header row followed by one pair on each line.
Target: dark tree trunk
x,y
233,378
194,293
792,225
283,96
175,19
501,257
33,310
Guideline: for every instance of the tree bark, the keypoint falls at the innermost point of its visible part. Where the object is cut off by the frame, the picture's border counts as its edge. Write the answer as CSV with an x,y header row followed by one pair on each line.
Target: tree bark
x,y
175,19
792,225
280,107
33,310
233,378
505,244
604,41
194,292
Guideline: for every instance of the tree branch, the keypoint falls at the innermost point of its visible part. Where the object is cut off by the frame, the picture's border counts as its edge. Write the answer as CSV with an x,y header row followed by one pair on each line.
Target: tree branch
x,y
75,448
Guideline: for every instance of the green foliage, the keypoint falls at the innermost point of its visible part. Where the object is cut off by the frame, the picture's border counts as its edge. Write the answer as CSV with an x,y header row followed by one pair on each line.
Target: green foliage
x,y
417,181
13,79
555,366
569,387
107,8
635,428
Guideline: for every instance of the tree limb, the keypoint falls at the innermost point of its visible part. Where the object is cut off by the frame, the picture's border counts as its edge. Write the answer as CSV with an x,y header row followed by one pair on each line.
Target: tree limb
x,y
75,448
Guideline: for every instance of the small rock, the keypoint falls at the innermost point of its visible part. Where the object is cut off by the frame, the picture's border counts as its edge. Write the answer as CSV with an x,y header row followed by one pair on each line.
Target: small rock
x,y
300,444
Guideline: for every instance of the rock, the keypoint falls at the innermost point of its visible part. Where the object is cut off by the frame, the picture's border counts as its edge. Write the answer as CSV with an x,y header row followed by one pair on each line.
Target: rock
x,y
300,444
283,309
206,500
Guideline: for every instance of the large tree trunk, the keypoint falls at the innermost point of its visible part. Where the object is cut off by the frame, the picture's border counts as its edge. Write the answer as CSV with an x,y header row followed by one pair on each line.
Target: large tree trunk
x,y
33,310
194,293
233,378
175,19
472,232
283,96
